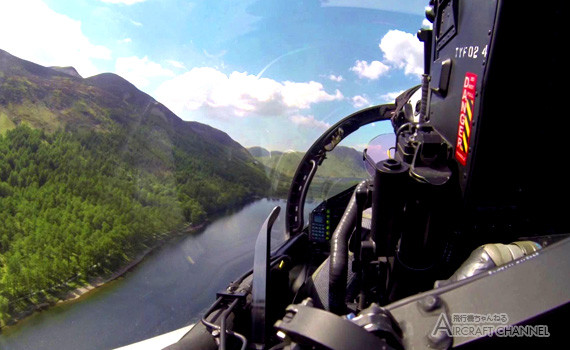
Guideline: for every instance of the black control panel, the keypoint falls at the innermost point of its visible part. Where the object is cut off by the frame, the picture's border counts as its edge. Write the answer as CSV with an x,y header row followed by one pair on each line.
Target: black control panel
x,y
320,224
326,216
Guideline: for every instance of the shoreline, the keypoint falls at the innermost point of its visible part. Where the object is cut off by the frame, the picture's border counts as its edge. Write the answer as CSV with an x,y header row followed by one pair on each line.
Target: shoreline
x,y
91,284
99,281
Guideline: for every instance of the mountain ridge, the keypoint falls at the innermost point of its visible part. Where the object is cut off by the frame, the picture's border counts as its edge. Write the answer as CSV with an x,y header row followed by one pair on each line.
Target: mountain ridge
x,y
342,162
113,88
342,168
93,171
69,70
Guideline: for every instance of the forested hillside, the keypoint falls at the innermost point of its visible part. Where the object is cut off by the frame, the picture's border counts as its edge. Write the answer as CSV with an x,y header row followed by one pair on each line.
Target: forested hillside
x,y
93,171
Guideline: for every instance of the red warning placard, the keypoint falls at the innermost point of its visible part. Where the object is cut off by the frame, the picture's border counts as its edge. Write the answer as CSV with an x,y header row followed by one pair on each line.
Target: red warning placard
x,y
465,118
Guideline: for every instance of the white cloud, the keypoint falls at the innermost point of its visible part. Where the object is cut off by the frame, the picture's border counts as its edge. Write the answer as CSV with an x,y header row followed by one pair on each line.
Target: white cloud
x,y
302,95
135,23
360,101
33,31
176,64
427,24
124,2
215,55
337,78
391,96
403,50
125,41
239,94
139,71
372,70
308,122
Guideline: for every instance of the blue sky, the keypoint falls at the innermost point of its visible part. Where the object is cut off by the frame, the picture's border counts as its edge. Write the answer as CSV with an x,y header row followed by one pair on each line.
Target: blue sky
x,y
273,73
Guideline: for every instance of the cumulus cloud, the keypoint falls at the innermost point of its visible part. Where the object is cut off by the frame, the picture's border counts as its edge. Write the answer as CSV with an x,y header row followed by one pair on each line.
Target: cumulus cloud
x,y
139,71
372,70
360,101
391,96
33,31
302,95
308,121
337,78
239,94
403,50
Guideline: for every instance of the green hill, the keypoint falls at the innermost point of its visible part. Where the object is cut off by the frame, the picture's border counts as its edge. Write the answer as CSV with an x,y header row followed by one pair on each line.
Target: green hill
x,y
342,168
93,171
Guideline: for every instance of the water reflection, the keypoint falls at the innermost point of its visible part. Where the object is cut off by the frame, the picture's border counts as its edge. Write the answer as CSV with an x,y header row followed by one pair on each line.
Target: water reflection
x,y
168,290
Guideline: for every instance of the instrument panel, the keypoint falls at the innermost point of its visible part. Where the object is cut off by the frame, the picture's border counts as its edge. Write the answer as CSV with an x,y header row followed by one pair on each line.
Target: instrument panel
x,y
326,216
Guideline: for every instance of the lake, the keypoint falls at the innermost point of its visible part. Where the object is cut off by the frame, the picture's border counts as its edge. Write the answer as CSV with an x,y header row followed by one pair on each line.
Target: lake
x,y
168,290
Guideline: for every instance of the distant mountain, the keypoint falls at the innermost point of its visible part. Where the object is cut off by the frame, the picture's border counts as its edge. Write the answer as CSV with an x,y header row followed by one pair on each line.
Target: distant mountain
x,y
58,98
258,151
343,166
92,171
342,162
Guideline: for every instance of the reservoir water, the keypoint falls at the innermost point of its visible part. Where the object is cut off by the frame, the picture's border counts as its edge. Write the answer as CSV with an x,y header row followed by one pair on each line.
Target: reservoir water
x,y
168,290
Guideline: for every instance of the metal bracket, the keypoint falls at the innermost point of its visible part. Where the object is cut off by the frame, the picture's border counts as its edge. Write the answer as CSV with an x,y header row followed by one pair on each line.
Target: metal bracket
x,y
315,327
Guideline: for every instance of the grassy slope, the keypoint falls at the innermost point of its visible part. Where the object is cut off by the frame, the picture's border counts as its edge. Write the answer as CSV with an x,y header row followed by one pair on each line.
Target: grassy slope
x,y
5,123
